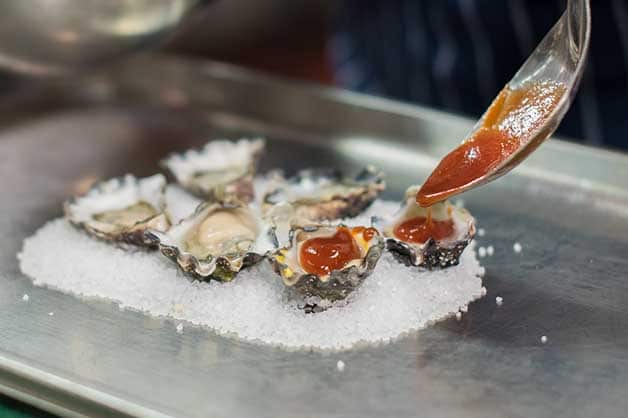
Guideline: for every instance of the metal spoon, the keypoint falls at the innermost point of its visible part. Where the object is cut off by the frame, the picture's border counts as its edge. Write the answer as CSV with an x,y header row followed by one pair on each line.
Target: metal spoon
x,y
558,60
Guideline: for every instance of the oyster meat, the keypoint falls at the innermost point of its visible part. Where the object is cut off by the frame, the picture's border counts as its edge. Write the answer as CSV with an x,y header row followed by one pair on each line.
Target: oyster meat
x,y
121,209
327,262
217,241
220,170
428,237
318,195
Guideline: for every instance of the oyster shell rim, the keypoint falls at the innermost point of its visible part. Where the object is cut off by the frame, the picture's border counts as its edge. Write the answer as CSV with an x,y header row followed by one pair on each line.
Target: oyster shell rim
x,y
204,270
370,179
240,187
432,253
138,233
339,283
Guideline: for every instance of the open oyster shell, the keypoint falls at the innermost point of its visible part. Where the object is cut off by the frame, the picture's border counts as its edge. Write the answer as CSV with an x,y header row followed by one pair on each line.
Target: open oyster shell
x,y
217,241
443,252
318,195
121,209
220,170
288,262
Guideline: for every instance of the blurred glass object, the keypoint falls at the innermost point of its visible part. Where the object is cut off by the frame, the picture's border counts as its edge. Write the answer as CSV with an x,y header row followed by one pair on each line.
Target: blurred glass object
x,y
46,37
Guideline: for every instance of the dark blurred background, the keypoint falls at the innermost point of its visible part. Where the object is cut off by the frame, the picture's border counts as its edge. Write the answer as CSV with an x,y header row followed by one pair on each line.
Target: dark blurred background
x,y
453,55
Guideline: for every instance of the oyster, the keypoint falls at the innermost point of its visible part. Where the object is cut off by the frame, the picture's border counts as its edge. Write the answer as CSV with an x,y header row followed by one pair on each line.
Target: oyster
x,y
318,195
428,237
220,170
217,241
121,209
327,262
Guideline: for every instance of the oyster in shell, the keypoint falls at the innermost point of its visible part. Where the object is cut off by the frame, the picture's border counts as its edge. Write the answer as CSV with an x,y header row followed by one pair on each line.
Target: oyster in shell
x,y
318,195
327,262
121,209
220,170
428,237
217,241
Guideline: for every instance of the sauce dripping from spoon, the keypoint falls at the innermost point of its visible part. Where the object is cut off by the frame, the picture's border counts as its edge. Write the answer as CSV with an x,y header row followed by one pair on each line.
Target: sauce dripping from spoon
x,y
510,122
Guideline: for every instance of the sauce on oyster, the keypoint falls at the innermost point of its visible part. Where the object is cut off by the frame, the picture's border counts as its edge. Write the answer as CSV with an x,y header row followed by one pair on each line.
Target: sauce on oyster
x,y
511,121
323,255
421,228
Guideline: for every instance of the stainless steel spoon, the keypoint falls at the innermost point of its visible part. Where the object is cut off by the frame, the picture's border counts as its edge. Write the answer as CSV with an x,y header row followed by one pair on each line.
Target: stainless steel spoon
x,y
558,59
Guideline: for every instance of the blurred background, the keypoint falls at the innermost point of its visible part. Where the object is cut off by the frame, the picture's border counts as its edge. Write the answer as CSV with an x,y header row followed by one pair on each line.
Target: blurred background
x,y
453,55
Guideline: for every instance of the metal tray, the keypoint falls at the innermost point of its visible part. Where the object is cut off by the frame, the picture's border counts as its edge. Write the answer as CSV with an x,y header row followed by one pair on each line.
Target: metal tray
x,y
567,206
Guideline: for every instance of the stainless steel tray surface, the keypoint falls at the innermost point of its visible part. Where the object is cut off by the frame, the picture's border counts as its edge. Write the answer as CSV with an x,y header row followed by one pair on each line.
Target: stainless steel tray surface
x,y
567,206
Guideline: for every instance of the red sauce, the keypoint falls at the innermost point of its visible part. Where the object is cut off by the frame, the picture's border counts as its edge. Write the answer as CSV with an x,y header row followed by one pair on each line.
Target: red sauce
x,y
321,255
421,229
367,233
511,121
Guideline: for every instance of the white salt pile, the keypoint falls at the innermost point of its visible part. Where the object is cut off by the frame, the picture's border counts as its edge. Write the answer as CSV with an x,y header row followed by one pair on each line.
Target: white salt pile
x,y
394,300
517,247
25,298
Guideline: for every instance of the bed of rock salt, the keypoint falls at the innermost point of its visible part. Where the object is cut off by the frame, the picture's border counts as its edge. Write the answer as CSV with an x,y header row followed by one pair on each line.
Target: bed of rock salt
x,y
394,300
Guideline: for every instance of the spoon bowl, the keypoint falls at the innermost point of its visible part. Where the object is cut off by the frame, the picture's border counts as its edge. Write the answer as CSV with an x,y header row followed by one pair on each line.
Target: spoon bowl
x,y
525,113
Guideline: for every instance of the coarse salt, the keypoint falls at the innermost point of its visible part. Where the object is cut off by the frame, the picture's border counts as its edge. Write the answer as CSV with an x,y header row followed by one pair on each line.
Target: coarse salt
x,y
25,298
544,339
517,247
340,366
490,250
61,257
481,232
499,300
481,252
179,328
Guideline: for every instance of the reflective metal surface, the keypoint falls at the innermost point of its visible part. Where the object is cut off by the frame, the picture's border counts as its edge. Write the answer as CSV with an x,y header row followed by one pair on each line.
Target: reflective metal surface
x,y
51,36
567,206
559,59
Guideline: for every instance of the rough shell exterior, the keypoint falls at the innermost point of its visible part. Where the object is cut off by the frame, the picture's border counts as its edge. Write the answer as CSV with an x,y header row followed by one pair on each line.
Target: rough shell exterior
x,y
319,195
221,170
224,266
431,254
339,284
97,211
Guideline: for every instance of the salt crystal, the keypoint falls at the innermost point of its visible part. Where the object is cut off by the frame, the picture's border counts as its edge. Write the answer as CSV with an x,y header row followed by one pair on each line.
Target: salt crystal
x,y
481,252
61,257
340,366
51,313
483,291
544,339
458,316
499,300
481,232
517,247
180,328
25,298
490,250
